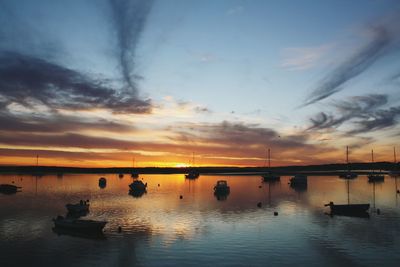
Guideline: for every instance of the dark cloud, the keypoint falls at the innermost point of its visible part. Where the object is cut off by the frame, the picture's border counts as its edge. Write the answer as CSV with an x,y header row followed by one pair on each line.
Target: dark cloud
x,y
28,80
129,18
56,123
380,119
365,113
382,37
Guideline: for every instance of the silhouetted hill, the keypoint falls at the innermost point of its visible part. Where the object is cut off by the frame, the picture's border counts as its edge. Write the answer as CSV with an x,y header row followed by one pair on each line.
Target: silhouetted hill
x,y
325,168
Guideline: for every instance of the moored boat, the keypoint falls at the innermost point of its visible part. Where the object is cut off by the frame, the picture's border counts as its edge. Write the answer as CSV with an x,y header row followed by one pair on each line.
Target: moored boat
x,y
102,182
270,177
348,209
348,174
375,177
79,225
221,187
9,188
138,185
192,174
298,180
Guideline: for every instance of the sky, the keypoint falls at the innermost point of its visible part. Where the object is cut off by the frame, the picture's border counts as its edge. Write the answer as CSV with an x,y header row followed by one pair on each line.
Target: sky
x,y
102,83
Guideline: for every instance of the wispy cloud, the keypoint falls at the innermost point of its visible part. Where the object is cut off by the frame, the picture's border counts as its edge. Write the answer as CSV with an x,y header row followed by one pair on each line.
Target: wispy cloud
x,y
363,113
382,36
302,58
129,19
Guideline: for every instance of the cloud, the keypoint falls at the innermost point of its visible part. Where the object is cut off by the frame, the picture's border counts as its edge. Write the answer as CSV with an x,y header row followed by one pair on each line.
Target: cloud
x,y
29,81
361,60
56,123
302,58
365,113
129,19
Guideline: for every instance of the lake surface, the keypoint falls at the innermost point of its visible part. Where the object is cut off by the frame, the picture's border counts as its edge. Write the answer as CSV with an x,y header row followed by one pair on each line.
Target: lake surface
x,y
160,229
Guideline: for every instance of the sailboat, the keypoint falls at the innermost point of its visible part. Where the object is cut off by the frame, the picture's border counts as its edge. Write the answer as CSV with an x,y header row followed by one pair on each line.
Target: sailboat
x,y
395,172
269,176
372,177
348,174
356,210
192,174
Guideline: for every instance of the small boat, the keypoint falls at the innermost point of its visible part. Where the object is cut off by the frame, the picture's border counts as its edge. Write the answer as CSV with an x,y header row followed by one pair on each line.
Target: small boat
x,y
9,188
135,175
348,174
79,225
375,177
348,209
102,182
298,180
270,177
81,207
192,174
138,185
221,187
121,175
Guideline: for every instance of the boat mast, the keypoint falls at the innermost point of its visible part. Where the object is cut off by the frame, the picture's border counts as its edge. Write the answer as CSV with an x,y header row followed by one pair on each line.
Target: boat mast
x,y
348,191
37,160
394,154
269,158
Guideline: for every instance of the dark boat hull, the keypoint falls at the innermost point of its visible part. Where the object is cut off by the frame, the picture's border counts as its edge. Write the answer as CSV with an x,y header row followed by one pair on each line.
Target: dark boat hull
x,y
349,209
376,178
9,189
271,178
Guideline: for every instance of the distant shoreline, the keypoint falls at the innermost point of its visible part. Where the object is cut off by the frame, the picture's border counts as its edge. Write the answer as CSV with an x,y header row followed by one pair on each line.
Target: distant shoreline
x,y
324,169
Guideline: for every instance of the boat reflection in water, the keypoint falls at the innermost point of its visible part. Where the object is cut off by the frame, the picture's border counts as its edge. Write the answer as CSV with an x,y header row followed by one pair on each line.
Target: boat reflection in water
x,y
9,189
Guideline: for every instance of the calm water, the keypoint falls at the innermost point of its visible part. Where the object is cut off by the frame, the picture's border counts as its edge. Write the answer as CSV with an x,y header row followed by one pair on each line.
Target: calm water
x,y
160,229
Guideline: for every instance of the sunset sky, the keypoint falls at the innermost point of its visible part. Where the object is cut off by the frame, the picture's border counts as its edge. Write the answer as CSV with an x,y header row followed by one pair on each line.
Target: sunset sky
x,y
100,83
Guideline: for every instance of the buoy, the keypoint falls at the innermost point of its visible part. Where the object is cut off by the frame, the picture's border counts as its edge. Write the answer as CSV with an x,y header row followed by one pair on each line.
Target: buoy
x,y
378,211
275,213
158,185
259,204
398,191
259,186
119,229
180,196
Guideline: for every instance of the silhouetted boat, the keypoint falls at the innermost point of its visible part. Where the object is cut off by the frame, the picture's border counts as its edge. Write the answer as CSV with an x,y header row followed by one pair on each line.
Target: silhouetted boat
x,y
138,186
348,209
356,210
135,175
348,174
121,175
79,225
221,187
80,207
102,182
375,177
269,176
192,174
9,188
299,180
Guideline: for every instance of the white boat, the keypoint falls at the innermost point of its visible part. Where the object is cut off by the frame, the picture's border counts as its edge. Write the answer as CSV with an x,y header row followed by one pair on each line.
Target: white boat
x,y
79,225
